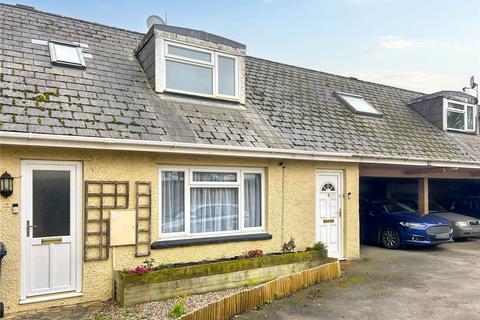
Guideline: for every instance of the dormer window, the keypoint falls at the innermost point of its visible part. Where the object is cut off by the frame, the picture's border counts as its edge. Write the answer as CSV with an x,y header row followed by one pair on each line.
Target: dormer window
x,y
460,116
358,104
193,70
66,54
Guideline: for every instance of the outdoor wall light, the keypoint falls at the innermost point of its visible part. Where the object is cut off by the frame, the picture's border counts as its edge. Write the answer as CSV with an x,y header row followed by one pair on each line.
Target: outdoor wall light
x,y
6,185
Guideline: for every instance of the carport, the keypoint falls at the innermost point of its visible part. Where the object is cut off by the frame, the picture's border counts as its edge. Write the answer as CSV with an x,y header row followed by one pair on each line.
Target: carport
x,y
424,183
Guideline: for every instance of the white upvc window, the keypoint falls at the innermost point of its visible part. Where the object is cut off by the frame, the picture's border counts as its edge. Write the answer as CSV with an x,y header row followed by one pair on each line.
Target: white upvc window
x,y
199,201
198,71
460,116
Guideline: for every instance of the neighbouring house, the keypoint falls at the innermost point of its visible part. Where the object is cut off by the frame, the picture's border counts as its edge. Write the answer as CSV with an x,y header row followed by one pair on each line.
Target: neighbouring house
x,y
178,146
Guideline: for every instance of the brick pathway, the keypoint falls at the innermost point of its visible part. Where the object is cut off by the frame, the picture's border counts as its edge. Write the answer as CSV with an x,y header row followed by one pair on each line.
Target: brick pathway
x,y
77,312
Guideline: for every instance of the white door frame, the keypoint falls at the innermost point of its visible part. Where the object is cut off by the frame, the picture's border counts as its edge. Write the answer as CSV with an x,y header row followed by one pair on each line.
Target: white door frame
x,y
340,175
25,164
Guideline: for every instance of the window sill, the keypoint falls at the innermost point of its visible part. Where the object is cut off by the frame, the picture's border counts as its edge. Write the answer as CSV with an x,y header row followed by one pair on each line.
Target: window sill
x,y
162,244
461,131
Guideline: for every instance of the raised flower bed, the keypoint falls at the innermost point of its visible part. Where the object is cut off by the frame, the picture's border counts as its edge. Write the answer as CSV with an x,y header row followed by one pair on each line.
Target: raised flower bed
x,y
133,288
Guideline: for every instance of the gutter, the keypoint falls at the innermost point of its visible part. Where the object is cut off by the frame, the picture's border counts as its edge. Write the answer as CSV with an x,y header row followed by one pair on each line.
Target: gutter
x,y
63,141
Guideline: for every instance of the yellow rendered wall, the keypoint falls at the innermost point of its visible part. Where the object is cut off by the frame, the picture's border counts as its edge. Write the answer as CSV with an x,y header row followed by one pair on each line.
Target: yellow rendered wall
x,y
298,199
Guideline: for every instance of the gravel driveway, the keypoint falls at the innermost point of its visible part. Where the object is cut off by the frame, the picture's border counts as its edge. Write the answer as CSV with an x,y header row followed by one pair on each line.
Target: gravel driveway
x,y
433,283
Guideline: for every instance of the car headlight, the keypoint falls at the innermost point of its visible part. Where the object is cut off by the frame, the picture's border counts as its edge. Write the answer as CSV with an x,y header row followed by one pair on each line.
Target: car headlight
x,y
413,225
461,224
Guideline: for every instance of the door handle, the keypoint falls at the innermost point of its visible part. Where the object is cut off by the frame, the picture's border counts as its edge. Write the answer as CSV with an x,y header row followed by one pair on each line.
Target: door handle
x,y
30,226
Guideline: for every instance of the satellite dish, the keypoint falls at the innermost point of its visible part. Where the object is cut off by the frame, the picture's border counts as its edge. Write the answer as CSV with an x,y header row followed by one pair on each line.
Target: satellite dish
x,y
472,82
154,20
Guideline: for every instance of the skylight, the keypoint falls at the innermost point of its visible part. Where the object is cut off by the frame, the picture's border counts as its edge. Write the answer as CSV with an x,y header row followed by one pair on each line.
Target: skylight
x,y
66,54
358,104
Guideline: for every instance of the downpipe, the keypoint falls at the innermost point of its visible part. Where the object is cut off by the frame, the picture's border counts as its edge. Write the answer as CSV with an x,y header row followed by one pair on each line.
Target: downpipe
x,y
3,253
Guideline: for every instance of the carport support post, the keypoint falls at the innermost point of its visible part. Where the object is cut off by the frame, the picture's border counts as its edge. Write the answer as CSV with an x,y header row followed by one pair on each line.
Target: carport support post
x,y
423,195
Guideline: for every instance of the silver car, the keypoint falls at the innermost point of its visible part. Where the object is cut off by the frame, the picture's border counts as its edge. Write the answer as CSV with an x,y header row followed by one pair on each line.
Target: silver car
x,y
463,226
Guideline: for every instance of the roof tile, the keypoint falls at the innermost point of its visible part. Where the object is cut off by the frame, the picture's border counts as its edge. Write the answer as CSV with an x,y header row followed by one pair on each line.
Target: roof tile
x,y
286,107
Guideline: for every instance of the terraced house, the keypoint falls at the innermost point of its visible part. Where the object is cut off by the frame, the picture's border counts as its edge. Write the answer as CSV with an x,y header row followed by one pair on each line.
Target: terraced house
x,y
178,146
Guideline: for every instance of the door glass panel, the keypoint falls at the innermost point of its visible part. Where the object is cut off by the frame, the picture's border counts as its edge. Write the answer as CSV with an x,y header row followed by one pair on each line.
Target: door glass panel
x,y
51,203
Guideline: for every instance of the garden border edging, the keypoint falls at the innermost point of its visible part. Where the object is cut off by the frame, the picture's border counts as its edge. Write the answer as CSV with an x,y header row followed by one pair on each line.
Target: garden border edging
x,y
262,294
168,283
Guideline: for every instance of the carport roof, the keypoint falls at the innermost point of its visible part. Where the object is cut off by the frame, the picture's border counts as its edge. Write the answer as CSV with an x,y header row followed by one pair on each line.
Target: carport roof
x,y
287,107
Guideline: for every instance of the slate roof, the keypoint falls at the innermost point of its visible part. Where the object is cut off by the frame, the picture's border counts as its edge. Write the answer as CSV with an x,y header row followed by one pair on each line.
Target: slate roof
x,y
469,142
286,107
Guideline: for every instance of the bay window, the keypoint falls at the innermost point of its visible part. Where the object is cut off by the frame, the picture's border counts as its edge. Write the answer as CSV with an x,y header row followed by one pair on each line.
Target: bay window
x,y
198,71
461,117
203,202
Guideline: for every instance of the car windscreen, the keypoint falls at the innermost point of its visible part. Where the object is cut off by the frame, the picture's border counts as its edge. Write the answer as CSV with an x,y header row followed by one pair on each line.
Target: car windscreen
x,y
413,204
390,206
435,207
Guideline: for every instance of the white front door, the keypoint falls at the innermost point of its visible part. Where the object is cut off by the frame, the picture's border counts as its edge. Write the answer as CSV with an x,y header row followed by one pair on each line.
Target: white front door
x,y
51,217
329,211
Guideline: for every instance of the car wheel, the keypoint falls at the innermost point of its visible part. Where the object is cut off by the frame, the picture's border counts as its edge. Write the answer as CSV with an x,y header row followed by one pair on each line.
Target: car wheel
x,y
390,238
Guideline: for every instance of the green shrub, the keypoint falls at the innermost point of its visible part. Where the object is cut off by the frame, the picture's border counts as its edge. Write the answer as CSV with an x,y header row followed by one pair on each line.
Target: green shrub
x,y
320,246
177,311
289,246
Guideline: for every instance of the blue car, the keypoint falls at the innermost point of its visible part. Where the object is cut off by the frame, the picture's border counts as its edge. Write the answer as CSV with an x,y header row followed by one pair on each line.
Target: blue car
x,y
392,225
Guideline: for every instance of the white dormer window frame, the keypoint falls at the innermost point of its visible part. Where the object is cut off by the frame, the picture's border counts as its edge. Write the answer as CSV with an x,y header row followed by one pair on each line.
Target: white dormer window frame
x,y
460,109
212,64
76,59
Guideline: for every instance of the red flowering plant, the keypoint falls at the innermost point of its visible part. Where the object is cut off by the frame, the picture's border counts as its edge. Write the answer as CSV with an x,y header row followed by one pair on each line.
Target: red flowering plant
x,y
255,253
146,266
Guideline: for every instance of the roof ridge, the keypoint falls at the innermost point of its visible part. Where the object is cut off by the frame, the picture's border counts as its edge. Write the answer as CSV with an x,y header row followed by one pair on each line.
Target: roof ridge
x,y
336,75
26,8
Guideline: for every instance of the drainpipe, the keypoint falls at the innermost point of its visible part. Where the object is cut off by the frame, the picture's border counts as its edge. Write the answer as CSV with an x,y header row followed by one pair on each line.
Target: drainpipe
x,y
283,165
3,253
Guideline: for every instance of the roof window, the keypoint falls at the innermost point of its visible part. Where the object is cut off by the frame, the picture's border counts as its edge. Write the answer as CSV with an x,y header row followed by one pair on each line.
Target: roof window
x,y
66,54
358,104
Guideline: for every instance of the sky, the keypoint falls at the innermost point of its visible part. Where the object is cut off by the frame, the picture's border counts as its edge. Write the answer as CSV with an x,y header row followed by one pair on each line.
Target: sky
x,y
422,45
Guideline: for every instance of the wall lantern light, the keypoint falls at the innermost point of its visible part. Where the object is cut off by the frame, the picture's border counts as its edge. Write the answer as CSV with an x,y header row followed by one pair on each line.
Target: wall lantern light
x,y
6,185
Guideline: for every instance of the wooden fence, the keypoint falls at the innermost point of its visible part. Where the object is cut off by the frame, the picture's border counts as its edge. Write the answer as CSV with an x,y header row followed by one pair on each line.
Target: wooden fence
x,y
255,297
